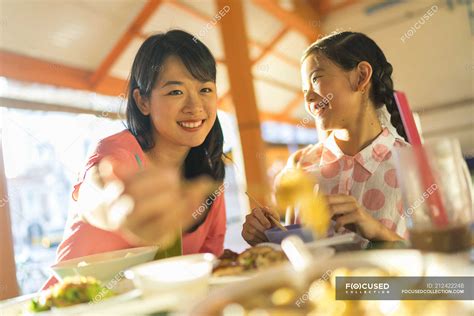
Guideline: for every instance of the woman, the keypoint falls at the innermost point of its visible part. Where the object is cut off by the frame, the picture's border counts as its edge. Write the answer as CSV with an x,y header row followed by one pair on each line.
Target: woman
x,y
158,172
346,82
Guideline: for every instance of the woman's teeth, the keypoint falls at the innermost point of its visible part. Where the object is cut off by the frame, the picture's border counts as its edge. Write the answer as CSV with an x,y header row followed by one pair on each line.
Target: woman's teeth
x,y
191,124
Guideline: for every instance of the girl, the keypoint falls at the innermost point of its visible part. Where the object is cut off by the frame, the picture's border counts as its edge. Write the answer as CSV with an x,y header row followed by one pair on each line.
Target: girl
x,y
346,80
151,181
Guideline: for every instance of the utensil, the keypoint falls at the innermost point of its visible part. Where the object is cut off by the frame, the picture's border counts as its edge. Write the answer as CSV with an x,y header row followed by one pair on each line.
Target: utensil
x,y
274,220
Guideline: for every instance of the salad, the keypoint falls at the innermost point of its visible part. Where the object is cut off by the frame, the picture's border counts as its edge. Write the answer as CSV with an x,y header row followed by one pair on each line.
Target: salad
x,y
72,291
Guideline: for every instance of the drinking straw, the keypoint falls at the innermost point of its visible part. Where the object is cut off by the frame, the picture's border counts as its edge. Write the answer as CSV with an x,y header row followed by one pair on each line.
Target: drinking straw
x,y
435,204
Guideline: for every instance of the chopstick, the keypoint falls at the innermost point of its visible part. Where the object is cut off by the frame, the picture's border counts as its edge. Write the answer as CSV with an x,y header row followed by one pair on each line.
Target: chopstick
x,y
274,220
277,223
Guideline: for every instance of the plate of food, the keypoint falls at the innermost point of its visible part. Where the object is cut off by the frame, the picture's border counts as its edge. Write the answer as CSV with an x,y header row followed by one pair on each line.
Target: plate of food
x,y
73,295
277,292
234,267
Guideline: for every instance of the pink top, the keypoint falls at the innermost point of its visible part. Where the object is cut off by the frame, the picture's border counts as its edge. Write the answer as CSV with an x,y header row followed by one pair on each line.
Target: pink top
x,y
82,239
369,176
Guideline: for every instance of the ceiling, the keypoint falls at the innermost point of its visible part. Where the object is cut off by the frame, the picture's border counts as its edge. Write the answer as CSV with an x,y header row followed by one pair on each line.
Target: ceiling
x,y
85,40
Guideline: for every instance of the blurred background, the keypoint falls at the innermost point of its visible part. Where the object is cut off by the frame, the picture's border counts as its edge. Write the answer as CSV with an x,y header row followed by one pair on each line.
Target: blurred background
x,y
64,67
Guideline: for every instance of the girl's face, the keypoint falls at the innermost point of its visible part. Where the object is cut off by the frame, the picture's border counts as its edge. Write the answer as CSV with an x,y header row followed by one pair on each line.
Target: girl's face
x,y
330,93
182,108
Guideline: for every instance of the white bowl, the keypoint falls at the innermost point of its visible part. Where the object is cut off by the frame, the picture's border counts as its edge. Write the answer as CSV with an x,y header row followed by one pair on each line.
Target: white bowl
x,y
187,276
104,266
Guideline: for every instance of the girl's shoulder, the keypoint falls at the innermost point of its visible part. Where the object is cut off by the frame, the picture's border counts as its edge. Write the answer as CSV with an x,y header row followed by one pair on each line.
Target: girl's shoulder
x,y
399,142
308,155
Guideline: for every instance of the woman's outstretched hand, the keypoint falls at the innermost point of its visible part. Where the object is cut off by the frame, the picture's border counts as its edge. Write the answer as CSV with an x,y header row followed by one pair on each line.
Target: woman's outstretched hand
x,y
148,207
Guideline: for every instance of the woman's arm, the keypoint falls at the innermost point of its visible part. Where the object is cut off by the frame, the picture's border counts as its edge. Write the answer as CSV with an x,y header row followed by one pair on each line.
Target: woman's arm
x,y
91,203
214,242
146,207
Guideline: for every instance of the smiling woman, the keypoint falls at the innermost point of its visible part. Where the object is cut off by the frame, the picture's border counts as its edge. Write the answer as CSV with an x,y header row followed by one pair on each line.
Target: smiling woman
x,y
158,172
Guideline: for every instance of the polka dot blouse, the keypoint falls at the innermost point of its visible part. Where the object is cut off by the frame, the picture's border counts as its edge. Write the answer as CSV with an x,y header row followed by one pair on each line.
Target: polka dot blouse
x,y
369,176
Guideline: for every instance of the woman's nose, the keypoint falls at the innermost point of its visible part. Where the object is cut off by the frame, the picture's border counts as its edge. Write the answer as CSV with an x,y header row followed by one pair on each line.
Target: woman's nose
x,y
194,104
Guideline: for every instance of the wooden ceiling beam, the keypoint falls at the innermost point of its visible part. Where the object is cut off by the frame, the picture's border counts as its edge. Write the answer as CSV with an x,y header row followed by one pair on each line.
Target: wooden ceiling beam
x,y
205,18
239,64
279,84
147,11
303,19
326,8
265,51
269,47
287,60
48,107
29,69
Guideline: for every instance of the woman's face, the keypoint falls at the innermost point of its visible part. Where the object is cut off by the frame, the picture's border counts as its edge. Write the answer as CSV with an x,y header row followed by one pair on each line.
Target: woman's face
x,y
182,108
329,92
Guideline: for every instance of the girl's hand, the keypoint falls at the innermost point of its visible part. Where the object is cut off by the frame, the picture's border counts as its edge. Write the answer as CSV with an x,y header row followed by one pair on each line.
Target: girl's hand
x,y
148,207
348,211
256,223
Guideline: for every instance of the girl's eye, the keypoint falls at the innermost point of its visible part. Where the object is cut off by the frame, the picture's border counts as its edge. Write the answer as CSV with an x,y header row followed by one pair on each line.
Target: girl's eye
x,y
175,92
315,79
206,90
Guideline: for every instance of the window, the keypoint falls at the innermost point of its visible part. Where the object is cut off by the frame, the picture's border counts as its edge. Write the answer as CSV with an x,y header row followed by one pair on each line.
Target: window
x,y
44,152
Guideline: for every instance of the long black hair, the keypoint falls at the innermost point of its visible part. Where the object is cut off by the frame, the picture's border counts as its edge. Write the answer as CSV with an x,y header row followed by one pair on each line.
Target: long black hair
x,y
205,159
347,50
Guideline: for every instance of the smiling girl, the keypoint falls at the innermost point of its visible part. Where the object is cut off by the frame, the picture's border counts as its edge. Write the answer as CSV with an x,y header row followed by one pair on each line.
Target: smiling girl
x,y
346,81
151,183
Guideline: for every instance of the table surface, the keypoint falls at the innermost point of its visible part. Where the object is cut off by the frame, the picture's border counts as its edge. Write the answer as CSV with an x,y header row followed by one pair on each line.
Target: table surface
x,y
461,262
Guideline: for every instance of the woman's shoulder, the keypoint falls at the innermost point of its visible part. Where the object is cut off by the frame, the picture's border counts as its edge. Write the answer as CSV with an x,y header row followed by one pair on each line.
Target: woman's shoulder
x,y
121,146
123,139
121,142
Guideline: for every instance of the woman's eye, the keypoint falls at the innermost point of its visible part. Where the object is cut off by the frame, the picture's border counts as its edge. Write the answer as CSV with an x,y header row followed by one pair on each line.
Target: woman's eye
x,y
315,79
206,90
175,92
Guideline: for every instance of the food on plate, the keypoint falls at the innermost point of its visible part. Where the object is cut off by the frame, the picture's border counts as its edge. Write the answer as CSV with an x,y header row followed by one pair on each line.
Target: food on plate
x,y
319,299
72,291
252,259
